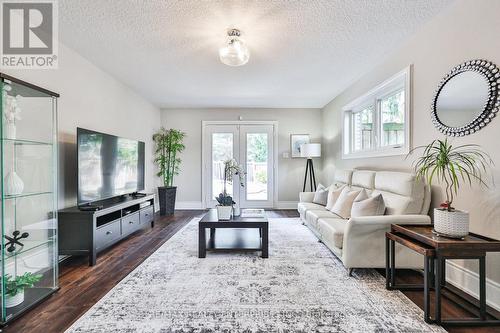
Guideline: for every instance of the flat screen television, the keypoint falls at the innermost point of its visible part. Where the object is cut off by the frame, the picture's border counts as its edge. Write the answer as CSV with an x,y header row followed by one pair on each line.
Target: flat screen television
x,y
108,166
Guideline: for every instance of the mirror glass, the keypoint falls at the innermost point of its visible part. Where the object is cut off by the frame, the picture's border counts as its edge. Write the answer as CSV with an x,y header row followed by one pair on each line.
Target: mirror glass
x,y
462,99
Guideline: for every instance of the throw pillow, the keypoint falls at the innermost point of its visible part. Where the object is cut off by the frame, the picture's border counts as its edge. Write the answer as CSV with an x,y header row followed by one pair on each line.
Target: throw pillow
x,y
333,195
369,207
321,195
343,205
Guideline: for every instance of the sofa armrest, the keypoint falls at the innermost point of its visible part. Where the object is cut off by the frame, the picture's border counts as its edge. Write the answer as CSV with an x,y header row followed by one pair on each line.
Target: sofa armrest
x,y
306,196
390,219
364,240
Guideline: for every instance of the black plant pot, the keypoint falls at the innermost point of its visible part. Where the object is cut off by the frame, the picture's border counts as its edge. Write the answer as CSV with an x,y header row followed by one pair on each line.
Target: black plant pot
x,y
166,196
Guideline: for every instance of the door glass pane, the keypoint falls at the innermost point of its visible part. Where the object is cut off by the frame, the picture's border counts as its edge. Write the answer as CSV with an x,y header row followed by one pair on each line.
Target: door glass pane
x,y
362,128
222,149
393,119
257,159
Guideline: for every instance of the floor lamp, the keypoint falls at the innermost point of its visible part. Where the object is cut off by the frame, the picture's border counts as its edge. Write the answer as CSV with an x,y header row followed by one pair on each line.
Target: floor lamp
x,y
310,150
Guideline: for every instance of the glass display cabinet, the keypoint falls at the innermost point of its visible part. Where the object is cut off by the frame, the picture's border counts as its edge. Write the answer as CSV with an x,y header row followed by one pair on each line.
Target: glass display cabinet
x,y
28,196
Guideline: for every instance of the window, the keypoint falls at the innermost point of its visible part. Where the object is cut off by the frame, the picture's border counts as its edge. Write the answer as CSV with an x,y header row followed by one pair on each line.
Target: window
x,y
378,123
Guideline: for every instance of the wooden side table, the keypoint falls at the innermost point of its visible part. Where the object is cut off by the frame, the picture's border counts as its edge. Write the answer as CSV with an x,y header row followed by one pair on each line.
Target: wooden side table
x,y
436,250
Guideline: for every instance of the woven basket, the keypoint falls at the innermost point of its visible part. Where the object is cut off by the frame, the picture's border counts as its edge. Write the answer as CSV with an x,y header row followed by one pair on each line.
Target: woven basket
x,y
451,224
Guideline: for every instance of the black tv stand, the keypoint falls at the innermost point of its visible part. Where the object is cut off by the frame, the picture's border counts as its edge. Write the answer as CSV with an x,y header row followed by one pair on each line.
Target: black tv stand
x,y
89,231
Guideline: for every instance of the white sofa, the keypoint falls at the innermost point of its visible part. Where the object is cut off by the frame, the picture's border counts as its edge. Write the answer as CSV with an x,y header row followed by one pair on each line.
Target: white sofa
x,y
360,242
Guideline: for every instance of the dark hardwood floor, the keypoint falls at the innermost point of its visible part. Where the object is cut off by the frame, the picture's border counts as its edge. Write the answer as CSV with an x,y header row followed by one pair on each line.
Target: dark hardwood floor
x,y
82,286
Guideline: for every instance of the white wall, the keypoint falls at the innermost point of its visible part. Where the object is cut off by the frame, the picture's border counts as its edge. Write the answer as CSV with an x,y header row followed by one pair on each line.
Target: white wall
x,y
467,30
92,99
290,121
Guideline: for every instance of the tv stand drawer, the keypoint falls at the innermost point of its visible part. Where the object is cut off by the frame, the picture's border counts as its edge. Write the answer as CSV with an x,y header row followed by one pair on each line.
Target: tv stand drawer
x,y
130,223
147,214
107,234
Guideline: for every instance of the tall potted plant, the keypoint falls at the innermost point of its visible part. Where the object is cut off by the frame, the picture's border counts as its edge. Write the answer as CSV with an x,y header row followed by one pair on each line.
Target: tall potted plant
x,y
169,143
452,166
225,206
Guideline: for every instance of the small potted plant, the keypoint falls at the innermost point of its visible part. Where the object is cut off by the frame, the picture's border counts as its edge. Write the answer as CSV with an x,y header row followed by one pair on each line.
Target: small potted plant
x,y
452,166
169,143
14,287
225,206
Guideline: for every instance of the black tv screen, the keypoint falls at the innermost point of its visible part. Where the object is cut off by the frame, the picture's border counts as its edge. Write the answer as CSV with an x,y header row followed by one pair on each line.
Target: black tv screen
x,y
108,166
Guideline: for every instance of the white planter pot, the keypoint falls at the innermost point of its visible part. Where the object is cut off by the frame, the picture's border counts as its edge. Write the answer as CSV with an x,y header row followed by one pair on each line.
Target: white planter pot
x,y
11,301
224,213
452,224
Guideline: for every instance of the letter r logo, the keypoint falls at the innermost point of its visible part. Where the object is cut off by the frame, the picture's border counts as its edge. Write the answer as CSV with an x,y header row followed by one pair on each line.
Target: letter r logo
x,y
27,28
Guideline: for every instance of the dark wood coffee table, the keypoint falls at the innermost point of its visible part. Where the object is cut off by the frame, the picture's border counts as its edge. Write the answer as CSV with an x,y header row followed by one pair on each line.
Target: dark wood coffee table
x,y
242,241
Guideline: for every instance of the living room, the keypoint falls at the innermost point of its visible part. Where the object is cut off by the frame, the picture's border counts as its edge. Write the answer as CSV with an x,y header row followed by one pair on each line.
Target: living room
x,y
341,154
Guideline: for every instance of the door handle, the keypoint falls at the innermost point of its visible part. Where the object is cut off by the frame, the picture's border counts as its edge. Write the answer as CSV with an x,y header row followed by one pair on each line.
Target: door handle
x,y
109,232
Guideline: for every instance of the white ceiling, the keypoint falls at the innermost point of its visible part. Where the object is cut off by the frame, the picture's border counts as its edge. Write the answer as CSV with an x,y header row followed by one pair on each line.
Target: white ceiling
x,y
303,53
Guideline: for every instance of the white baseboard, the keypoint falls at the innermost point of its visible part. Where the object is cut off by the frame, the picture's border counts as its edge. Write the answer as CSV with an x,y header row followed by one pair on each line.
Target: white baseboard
x,y
468,281
287,205
197,205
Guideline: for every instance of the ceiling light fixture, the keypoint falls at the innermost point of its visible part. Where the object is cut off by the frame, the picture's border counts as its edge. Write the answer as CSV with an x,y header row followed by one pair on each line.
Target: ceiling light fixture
x,y
235,53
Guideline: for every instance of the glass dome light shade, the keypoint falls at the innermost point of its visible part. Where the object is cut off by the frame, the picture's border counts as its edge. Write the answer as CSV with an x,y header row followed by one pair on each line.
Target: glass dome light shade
x,y
235,53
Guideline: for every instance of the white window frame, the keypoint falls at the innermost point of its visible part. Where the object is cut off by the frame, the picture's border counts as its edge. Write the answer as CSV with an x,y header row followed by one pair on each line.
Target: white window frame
x,y
400,81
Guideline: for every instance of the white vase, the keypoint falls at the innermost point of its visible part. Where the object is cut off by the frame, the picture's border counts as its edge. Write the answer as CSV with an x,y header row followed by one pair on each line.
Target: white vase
x,y
14,185
224,213
236,210
453,224
10,131
11,301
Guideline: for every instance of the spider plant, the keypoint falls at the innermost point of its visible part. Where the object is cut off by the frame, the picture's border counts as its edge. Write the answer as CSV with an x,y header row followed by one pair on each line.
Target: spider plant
x,y
452,166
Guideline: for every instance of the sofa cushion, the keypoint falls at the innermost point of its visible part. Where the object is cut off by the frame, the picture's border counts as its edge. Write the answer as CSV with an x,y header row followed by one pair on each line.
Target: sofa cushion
x,y
312,216
363,178
321,195
302,207
342,176
402,193
372,206
332,230
343,205
333,195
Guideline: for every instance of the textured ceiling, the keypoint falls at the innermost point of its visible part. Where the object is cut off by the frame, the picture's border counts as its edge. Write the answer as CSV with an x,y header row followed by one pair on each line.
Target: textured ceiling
x,y
303,53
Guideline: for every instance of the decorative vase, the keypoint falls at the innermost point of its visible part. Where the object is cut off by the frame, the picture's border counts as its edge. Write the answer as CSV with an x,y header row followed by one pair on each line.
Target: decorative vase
x,y
11,301
454,224
14,185
236,210
10,131
224,213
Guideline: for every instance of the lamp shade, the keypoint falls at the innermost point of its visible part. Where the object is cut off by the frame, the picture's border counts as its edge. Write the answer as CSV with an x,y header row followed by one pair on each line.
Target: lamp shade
x,y
309,150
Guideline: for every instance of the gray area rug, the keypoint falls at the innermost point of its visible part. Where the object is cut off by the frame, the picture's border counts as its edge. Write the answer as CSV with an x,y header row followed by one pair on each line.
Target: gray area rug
x,y
302,287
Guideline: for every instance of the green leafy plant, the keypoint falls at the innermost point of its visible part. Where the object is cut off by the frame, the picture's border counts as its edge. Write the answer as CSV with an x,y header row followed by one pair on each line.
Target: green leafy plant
x,y
231,169
13,286
169,143
452,165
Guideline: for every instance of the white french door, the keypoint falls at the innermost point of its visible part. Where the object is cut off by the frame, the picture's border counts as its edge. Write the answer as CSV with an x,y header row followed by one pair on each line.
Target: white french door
x,y
252,145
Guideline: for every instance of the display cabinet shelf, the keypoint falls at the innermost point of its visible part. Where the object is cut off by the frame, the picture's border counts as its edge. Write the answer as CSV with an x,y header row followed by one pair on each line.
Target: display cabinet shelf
x,y
28,196
30,246
26,142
